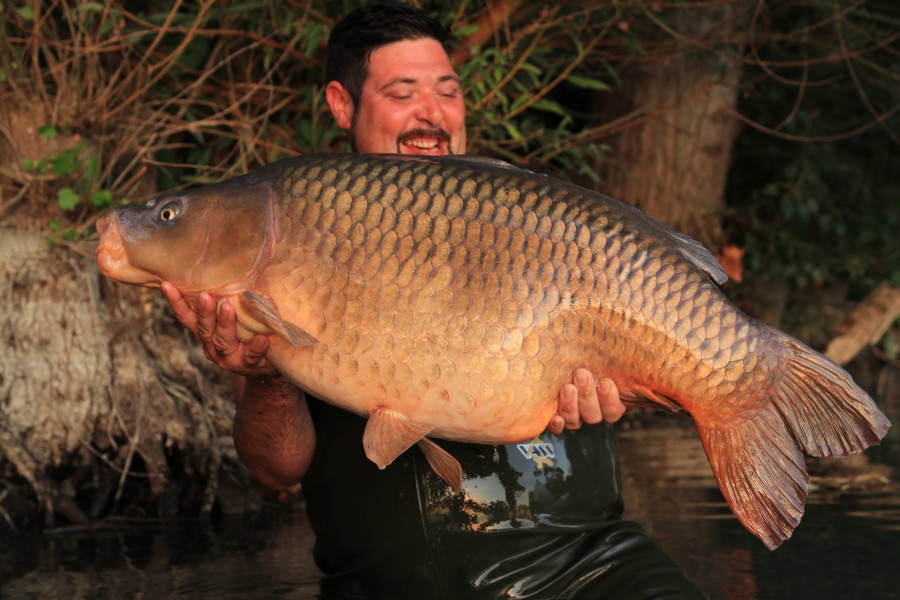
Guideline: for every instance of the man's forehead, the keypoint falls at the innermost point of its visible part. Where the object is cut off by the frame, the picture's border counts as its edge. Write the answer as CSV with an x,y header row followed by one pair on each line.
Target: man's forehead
x,y
410,61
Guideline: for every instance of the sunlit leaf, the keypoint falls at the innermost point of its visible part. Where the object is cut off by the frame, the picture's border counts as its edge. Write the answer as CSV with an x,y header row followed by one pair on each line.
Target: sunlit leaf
x,y
68,199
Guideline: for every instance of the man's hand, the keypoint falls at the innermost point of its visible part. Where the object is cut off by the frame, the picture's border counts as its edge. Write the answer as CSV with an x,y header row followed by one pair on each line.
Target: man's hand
x,y
586,401
218,334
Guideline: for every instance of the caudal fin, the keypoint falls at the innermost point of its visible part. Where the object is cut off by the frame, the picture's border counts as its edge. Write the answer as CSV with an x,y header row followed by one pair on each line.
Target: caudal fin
x,y
759,466
829,415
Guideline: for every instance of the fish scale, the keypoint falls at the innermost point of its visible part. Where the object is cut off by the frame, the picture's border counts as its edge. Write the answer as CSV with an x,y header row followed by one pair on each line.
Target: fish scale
x,y
414,201
453,297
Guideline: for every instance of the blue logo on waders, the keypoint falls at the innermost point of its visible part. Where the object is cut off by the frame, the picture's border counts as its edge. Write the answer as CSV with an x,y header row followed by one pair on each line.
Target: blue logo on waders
x,y
539,451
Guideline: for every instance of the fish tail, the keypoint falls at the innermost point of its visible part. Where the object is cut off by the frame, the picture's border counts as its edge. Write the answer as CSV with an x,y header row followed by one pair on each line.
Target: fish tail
x,y
828,414
759,465
761,472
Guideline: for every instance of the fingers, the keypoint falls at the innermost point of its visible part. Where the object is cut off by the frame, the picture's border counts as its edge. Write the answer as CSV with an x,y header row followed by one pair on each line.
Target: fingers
x,y
557,425
216,327
586,401
611,405
567,416
183,312
255,351
207,320
589,407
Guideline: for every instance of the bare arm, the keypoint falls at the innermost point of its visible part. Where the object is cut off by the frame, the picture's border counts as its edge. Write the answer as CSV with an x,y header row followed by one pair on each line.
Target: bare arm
x,y
273,431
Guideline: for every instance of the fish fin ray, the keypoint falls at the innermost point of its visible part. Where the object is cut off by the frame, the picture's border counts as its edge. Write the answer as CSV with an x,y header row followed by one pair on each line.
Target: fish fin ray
x,y
700,255
645,397
692,250
389,434
829,415
761,472
263,309
447,467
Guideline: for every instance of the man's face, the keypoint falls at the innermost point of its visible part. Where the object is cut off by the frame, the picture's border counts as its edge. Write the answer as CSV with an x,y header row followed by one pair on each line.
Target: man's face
x,y
411,102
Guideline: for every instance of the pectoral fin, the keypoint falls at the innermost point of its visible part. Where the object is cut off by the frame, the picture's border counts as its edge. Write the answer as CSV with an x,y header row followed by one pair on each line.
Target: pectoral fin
x,y
263,309
645,397
389,434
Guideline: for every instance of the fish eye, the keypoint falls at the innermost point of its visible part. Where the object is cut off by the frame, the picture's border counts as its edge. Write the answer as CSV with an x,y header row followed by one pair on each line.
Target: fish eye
x,y
170,211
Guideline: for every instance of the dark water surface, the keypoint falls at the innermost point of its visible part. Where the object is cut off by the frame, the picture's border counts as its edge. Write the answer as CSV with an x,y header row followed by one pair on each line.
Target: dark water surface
x,y
847,546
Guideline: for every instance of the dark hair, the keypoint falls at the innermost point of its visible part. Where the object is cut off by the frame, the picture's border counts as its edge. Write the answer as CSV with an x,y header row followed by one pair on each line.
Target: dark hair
x,y
368,28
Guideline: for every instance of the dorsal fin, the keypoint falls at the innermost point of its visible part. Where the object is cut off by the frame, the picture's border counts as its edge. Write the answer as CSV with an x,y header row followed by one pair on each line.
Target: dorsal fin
x,y
698,254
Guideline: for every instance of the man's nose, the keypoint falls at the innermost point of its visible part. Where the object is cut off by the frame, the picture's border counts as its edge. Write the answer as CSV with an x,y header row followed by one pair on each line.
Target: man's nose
x,y
429,110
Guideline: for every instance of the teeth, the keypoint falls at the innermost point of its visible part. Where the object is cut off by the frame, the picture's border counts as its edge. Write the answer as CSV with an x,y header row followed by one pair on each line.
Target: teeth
x,y
422,144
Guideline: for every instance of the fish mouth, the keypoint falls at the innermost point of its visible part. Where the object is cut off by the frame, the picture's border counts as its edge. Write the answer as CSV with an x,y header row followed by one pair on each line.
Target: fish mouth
x,y
427,142
112,256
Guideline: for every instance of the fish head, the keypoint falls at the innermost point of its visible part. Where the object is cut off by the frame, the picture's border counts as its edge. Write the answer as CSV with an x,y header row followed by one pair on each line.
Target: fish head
x,y
213,238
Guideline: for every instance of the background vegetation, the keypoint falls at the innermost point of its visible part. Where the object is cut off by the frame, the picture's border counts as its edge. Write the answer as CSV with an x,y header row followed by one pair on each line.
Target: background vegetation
x,y
109,102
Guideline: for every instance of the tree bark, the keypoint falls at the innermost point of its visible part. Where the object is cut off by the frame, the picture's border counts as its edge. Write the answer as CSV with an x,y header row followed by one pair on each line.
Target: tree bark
x,y
672,160
103,398
865,326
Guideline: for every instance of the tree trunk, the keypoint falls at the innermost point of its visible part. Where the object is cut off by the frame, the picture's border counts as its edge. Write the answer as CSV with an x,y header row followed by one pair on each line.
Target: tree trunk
x,y
672,160
104,402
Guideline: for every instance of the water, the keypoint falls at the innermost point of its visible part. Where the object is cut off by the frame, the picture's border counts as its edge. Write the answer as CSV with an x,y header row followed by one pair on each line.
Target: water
x,y
847,546
266,556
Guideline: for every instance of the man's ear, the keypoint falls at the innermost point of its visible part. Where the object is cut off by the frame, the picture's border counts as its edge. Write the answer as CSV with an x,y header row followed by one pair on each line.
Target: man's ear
x,y
340,103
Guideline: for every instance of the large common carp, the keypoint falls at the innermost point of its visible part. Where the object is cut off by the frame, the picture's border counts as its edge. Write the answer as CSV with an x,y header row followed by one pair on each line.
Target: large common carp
x,y
453,297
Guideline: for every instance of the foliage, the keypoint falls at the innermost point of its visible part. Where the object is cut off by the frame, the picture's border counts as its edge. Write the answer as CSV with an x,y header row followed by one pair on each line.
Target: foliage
x,y
154,96
813,190
200,91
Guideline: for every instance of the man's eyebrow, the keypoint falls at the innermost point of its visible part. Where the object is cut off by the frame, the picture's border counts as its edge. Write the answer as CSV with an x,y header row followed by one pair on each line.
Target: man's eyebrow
x,y
398,81
413,80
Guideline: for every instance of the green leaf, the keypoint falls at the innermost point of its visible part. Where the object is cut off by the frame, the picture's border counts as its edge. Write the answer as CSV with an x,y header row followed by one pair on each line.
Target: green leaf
x,y
466,30
26,12
65,163
48,132
314,34
90,168
548,106
588,83
511,130
101,198
68,199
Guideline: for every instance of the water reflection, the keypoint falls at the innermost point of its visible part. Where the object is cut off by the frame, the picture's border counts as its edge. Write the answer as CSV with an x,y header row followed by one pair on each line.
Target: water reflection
x,y
268,556
847,545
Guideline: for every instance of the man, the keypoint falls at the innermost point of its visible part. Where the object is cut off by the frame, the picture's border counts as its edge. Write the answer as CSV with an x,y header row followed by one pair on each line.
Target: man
x,y
540,519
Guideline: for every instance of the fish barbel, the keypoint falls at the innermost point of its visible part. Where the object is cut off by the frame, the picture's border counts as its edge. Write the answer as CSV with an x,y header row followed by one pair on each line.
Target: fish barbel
x,y
452,298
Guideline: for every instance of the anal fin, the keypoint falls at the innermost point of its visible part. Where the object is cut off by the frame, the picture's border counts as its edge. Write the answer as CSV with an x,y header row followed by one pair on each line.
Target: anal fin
x,y
446,467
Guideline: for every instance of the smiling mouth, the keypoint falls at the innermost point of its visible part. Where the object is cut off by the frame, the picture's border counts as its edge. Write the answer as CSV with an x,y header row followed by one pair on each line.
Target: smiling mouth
x,y
429,141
